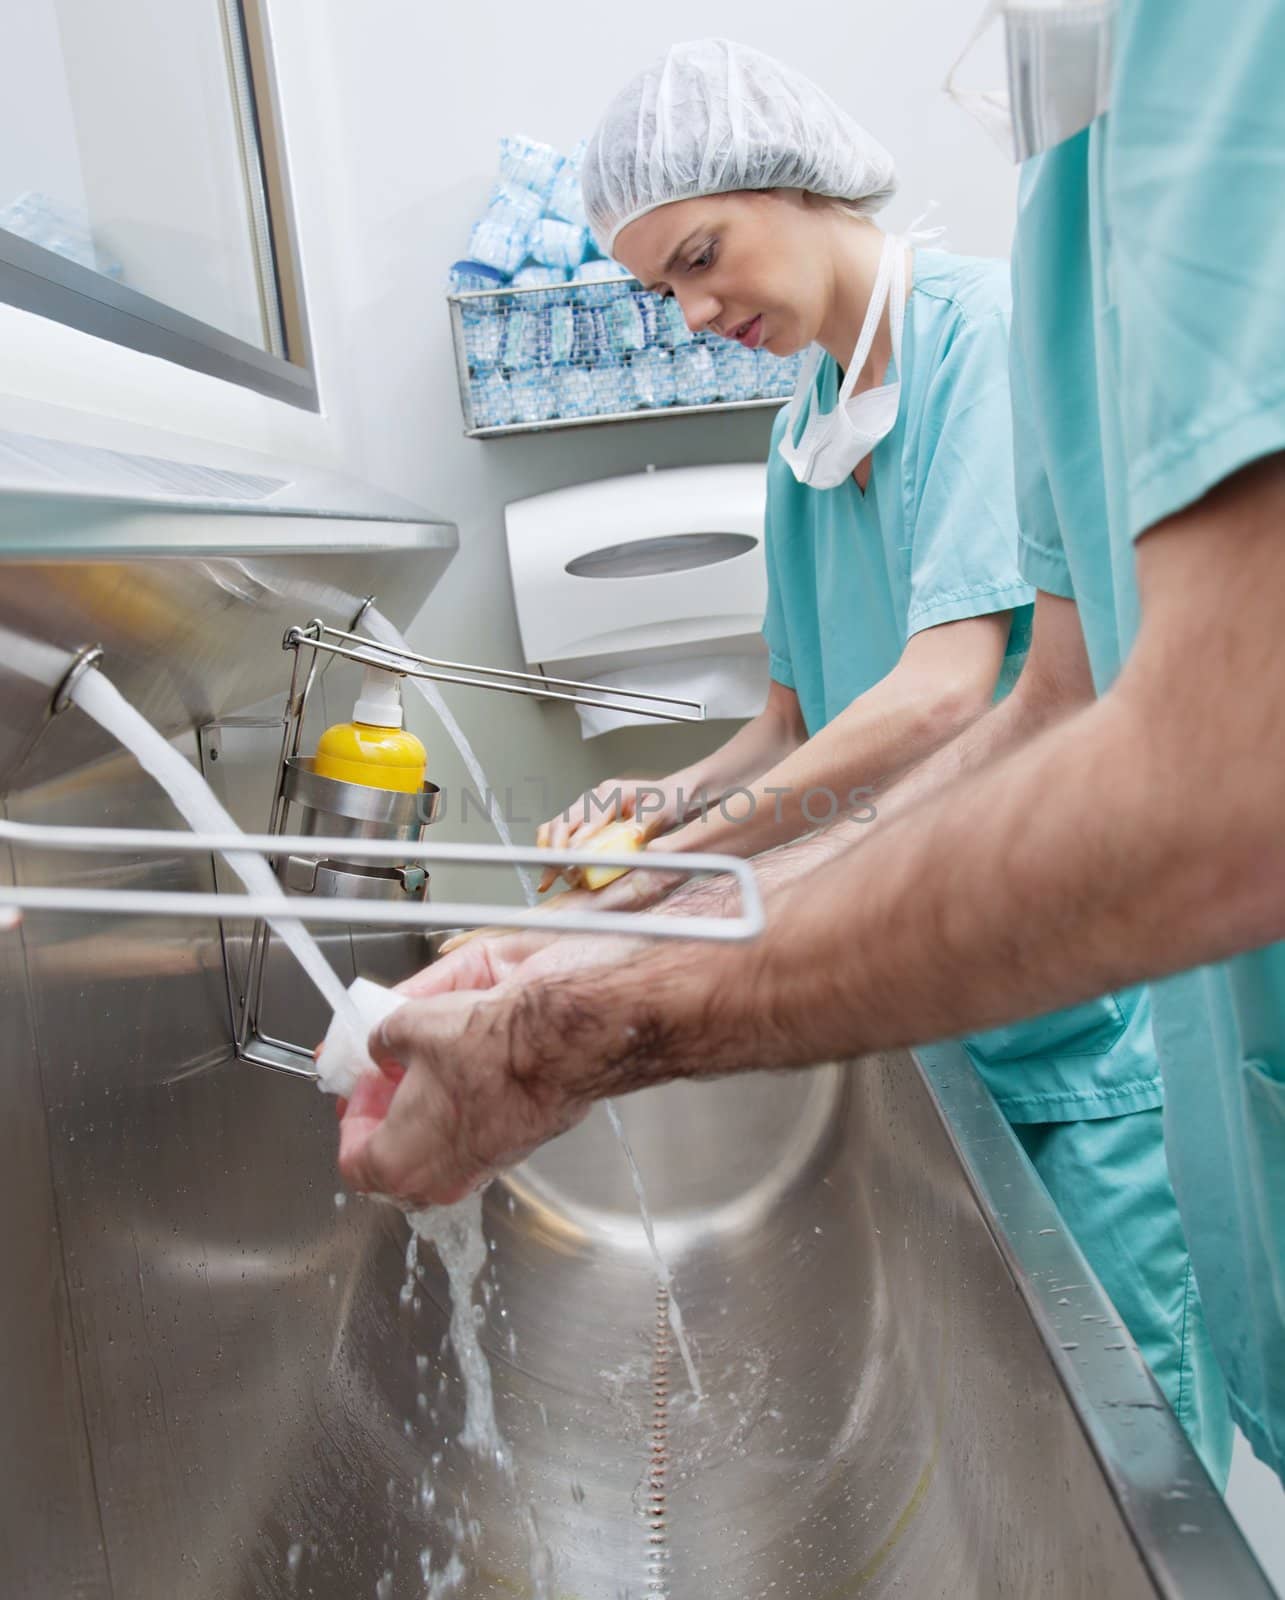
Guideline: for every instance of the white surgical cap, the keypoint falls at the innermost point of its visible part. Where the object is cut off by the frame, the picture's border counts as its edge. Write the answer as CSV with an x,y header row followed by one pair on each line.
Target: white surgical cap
x,y
712,117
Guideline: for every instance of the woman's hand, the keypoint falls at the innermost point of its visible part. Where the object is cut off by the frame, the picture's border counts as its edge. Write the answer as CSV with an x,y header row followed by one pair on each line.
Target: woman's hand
x,y
652,805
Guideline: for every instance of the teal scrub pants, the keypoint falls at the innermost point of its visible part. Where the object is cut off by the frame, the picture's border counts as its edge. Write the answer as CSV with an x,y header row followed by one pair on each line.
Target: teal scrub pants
x,y
1109,1179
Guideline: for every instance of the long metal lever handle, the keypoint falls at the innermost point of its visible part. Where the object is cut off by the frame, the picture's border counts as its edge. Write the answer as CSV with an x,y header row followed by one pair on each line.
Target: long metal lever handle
x,y
363,649
440,914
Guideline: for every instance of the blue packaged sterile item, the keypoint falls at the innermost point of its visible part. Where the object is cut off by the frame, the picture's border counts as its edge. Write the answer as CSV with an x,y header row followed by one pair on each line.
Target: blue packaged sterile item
x,y
565,201
776,377
673,328
597,283
562,333
653,378
533,396
558,244
483,325
501,238
694,377
513,353
538,277
492,401
523,200
625,324
592,341
469,275
574,390
602,272
735,370
613,389
649,311
529,164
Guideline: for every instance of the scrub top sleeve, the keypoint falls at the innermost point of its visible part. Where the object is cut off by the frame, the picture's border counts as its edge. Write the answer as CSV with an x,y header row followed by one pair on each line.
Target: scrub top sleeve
x,y
775,632
962,512
1041,556
1192,168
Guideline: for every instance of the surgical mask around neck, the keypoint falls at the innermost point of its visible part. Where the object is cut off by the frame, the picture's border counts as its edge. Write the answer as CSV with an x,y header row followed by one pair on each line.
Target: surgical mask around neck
x,y
1060,55
832,444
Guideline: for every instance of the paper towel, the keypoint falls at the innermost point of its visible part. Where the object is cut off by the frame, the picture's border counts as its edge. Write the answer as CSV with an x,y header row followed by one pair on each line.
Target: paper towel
x,y
727,685
342,1058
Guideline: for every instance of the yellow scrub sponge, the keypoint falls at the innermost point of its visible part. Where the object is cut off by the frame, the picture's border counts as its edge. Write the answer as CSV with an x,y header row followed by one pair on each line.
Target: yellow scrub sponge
x,y
616,836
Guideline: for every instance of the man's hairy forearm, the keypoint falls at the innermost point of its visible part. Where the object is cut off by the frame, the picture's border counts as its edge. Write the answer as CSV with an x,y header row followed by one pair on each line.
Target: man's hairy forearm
x,y
1004,897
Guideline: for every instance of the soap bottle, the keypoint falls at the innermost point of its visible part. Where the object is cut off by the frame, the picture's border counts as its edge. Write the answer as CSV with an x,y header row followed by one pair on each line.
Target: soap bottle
x,y
374,749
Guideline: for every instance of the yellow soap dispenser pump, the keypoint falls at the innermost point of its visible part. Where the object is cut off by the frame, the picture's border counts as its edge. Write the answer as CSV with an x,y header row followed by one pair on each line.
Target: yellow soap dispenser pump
x,y
374,749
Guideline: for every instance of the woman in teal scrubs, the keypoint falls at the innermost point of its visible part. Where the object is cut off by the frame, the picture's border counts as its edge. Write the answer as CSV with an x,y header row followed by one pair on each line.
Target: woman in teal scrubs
x,y
896,610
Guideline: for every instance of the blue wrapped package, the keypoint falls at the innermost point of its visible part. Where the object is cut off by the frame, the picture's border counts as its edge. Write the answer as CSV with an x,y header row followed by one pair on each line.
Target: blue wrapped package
x,y
613,389
735,370
513,350
776,377
625,324
537,277
653,379
470,275
534,396
695,379
673,328
558,244
592,341
597,283
562,333
602,272
483,325
649,310
492,401
530,165
519,198
500,239
574,390
565,201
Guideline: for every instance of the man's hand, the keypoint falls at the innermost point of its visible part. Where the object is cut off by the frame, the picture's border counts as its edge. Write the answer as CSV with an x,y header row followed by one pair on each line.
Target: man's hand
x,y
463,1090
460,1113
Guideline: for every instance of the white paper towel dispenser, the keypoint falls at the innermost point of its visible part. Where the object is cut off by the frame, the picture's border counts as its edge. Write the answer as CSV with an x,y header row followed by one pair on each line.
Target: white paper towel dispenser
x,y
655,581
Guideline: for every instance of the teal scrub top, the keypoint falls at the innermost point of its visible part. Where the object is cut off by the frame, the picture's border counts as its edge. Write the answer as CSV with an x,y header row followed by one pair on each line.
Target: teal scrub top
x,y
1148,364
933,539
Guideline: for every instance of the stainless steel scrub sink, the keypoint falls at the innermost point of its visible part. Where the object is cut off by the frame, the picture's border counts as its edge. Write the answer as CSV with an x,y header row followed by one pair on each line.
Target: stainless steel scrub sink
x,y
212,1388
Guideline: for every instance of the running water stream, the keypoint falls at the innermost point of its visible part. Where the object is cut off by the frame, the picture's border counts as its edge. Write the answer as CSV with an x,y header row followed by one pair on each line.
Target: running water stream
x,y
387,634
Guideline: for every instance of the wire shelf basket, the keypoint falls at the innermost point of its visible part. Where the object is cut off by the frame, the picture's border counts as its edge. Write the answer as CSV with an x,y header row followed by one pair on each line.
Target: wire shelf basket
x,y
571,354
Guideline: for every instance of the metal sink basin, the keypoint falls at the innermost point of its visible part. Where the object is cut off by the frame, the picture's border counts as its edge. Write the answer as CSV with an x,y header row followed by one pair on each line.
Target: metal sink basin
x,y
887,1409
213,1388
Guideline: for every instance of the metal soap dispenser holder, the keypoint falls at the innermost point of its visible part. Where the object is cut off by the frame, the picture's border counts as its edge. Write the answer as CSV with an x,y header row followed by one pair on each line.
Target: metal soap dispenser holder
x,y
263,985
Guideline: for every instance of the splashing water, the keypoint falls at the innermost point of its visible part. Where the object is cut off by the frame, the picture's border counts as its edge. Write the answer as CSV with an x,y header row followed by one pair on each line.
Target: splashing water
x,y
384,631
662,1266
100,699
455,1232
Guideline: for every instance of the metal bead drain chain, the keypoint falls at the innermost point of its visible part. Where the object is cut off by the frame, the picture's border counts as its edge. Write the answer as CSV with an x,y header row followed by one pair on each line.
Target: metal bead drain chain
x,y
658,1465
